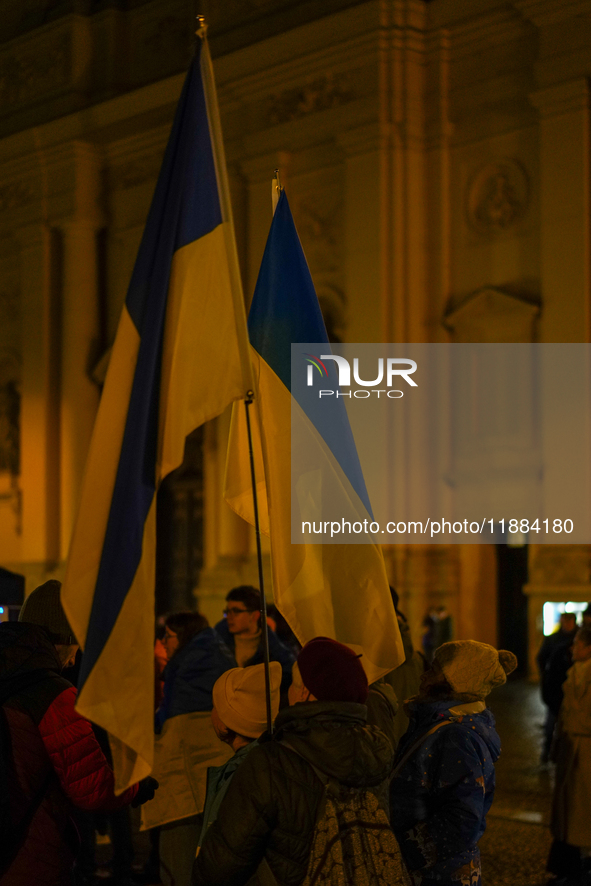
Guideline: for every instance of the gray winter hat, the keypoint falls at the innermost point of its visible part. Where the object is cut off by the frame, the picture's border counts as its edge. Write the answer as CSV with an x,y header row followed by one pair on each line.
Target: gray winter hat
x,y
43,607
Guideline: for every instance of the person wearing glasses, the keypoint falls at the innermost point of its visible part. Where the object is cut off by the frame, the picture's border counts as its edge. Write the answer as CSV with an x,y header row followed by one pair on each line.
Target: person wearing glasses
x,y
240,630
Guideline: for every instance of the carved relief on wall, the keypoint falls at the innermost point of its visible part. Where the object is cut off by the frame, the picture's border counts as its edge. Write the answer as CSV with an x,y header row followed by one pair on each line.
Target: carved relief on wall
x,y
10,400
135,172
15,194
318,213
333,306
497,197
167,36
492,314
318,95
561,565
160,44
26,73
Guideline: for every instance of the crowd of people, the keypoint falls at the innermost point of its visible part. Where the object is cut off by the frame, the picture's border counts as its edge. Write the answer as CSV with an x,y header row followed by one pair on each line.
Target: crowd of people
x,y
355,784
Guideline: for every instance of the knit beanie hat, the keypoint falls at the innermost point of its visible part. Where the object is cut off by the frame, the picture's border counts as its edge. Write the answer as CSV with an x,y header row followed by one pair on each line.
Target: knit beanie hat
x,y
43,607
239,698
332,671
473,669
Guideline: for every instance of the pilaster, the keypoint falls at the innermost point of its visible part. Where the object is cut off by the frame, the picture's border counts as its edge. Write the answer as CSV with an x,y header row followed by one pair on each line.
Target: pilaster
x,y
75,202
40,439
564,210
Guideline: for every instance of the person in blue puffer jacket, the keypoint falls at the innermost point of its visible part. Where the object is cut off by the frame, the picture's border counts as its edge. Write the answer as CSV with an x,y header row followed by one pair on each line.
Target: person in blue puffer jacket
x,y
197,657
444,776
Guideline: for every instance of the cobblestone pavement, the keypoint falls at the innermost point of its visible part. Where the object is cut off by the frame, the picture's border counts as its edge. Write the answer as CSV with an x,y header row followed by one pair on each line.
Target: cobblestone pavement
x,y
517,840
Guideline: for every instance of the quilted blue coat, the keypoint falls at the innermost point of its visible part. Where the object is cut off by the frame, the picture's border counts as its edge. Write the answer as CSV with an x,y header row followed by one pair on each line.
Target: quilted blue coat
x,y
190,675
440,796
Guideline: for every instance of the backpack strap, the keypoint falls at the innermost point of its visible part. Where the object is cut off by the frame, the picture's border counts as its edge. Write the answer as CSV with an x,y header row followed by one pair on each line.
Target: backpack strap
x,y
415,746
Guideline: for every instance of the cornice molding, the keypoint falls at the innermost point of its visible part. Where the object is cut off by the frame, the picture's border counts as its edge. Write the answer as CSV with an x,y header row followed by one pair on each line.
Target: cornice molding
x,y
548,12
573,95
493,28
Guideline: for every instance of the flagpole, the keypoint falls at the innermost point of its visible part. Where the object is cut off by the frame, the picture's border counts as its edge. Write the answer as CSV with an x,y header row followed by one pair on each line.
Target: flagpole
x,y
243,343
276,189
213,114
264,626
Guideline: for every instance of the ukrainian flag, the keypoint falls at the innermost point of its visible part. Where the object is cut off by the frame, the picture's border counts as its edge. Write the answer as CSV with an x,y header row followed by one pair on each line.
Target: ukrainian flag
x,y
179,358
333,590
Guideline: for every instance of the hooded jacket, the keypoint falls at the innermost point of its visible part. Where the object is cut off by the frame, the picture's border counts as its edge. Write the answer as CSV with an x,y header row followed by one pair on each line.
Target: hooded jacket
x,y
440,795
271,805
52,758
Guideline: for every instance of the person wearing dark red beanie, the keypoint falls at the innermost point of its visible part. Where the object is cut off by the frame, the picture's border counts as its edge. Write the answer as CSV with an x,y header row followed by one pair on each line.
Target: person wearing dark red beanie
x,y
331,671
269,813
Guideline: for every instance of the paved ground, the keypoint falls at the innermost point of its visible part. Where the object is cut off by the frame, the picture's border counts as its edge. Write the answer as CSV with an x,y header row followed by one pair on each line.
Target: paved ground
x,y
516,843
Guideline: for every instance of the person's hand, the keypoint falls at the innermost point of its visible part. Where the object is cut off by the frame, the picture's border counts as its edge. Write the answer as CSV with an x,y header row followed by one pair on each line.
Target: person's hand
x,y
146,790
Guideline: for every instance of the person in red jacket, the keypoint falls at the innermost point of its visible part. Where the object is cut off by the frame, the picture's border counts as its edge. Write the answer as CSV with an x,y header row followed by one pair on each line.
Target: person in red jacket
x,y
49,756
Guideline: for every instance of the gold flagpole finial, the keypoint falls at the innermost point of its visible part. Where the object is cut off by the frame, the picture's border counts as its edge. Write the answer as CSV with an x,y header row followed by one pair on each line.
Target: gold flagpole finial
x,y
276,188
202,29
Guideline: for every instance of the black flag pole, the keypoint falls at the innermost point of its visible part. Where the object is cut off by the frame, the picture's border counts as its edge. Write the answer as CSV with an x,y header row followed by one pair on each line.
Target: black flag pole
x,y
264,626
276,190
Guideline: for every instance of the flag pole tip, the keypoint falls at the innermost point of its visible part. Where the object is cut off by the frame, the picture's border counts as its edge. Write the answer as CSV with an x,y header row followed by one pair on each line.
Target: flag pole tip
x,y
276,181
202,29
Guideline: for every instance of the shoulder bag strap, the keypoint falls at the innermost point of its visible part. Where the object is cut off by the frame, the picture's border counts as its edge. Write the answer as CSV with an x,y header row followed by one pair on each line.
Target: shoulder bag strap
x,y
414,747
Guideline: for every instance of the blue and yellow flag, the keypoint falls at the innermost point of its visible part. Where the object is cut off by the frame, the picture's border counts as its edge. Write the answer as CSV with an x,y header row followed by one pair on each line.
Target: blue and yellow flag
x,y
179,358
332,590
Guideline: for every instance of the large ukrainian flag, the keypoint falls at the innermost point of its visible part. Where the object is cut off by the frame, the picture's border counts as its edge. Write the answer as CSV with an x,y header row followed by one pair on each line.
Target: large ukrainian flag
x,y
179,358
333,590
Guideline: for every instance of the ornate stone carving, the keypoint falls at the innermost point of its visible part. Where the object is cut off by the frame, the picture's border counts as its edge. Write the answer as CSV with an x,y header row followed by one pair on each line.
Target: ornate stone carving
x,y
498,196
333,306
556,565
318,95
491,314
9,412
318,214
135,172
169,34
10,400
9,428
15,194
28,73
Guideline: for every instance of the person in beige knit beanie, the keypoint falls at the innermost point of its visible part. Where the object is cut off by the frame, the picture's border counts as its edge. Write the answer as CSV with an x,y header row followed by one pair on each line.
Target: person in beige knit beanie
x,y
239,717
443,780
472,669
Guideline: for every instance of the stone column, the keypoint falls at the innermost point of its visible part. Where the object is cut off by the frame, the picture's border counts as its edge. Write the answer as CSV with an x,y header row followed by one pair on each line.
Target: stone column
x,y
40,462
80,340
71,174
565,206
560,573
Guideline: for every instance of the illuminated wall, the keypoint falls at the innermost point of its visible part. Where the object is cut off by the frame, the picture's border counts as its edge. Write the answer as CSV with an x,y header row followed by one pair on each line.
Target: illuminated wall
x,y
436,157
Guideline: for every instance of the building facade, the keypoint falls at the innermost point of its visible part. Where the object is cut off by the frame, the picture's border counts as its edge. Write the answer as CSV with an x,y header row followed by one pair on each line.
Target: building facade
x,y
436,156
